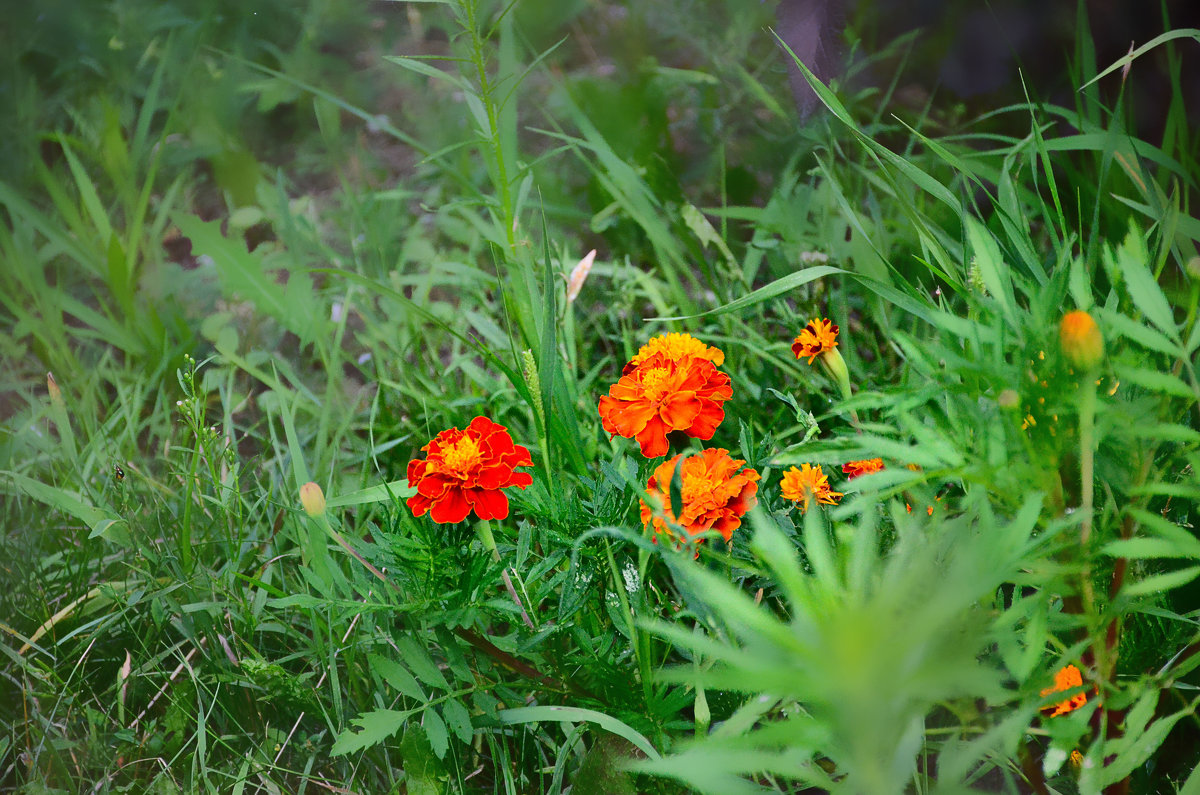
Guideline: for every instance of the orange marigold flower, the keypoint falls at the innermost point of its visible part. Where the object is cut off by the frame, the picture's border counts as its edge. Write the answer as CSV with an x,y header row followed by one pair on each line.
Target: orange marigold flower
x,y
853,469
1081,341
675,347
816,338
662,394
808,482
1067,678
715,495
466,470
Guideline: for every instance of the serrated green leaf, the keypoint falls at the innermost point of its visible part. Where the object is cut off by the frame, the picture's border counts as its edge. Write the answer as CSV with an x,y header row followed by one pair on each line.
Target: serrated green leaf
x,y
429,70
1137,752
421,664
1166,432
1132,259
435,729
1136,332
1161,583
1137,548
374,727
459,719
1156,381
992,268
397,676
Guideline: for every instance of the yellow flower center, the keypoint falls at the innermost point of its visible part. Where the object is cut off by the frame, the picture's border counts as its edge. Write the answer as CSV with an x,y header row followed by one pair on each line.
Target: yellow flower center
x,y
463,456
654,382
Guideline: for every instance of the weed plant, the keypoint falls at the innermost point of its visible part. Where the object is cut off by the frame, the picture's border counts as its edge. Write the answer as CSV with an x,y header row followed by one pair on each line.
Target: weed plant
x,y
257,539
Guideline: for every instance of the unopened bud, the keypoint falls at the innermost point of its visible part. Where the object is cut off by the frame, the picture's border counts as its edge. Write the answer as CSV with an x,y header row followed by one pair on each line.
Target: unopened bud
x,y
1193,268
1081,341
55,393
312,498
579,275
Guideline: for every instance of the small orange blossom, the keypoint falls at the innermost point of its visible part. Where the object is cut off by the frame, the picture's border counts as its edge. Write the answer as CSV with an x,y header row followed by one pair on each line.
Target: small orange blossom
x,y
808,482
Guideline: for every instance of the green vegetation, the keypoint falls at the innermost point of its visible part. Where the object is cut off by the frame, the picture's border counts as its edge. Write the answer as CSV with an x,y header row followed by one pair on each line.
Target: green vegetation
x,y
256,251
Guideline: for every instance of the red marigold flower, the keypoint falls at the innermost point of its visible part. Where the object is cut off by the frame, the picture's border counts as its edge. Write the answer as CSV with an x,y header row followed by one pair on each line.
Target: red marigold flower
x,y
662,394
466,470
816,338
809,482
675,347
1067,678
852,469
715,495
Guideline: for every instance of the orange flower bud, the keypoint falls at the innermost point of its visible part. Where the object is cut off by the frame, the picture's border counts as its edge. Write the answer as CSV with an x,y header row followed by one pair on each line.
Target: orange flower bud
x,y
1081,341
312,498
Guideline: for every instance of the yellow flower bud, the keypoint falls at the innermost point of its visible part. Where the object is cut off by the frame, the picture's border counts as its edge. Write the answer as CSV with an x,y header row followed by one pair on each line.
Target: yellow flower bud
x,y
1081,341
313,499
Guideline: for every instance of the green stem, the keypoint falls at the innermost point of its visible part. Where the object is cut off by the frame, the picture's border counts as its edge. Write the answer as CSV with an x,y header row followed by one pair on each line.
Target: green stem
x,y
1087,465
185,527
640,650
484,531
485,95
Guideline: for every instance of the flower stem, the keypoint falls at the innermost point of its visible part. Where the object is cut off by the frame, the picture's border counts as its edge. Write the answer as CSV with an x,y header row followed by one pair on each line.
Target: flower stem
x,y
484,531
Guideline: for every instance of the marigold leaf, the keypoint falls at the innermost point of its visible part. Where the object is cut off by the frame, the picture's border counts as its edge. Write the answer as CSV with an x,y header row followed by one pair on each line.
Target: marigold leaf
x,y
1156,381
1161,583
397,676
1138,548
459,719
419,663
1131,260
435,730
375,727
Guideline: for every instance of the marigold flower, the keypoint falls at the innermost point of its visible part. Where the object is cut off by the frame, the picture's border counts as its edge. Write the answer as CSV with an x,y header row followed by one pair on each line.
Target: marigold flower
x,y
808,482
675,347
466,470
715,495
662,394
1067,678
1081,341
852,469
816,338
